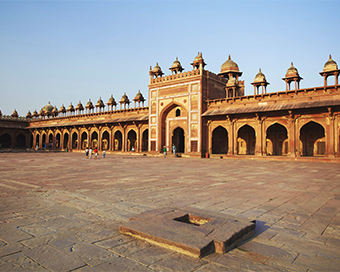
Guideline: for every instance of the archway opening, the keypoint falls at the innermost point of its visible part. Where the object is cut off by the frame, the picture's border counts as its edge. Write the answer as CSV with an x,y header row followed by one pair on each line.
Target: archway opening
x,y
21,141
50,140
246,141
312,136
65,140
43,143
94,140
37,143
106,141
132,141
220,141
5,140
74,140
57,141
145,140
118,141
178,139
31,140
276,143
84,143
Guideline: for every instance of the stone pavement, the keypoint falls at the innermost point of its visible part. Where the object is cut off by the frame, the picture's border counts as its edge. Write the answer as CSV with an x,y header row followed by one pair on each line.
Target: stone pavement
x,y
61,211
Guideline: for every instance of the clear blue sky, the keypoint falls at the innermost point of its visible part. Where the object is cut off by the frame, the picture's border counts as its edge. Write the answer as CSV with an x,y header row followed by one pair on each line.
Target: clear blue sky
x,y
66,51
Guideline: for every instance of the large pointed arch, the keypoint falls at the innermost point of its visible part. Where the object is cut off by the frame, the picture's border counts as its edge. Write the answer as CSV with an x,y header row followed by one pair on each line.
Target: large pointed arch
x,y
277,140
313,140
246,140
219,140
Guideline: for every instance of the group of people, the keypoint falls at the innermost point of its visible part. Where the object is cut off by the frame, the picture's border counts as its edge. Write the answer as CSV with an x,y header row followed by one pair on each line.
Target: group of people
x,y
89,153
173,150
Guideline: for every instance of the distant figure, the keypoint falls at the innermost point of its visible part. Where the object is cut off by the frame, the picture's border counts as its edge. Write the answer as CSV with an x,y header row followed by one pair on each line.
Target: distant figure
x,y
90,153
133,149
87,152
95,153
174,149
104,154
37,147
164,151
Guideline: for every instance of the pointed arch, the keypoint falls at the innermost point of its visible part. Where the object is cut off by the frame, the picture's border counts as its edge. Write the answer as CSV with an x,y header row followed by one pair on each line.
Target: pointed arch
x,y
313,140
220,140
277,140
246,140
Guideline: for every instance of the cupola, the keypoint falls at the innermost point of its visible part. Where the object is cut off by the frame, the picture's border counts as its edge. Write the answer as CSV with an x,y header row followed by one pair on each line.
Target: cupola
x,y
292,74
124,101
260,81
198,62
29,115
100,104
15,114
330,69
112,102
157,71
89,106
139,98
176,67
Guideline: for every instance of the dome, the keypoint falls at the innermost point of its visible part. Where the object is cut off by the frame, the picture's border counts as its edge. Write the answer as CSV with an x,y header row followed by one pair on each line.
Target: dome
x,y
62,108
47,108
89,105
124,99
292,70
111,101
330,65
260,77
35,113
176,64
55,110
29,114
100,103
41,113
15,114
70,107
139,97
157,69
199,56
80,106
229,65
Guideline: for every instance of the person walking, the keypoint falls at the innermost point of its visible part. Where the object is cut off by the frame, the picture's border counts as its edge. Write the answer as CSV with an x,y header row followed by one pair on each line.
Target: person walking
x,y
164,151
95,153
104,154
90,153
87,152
174,149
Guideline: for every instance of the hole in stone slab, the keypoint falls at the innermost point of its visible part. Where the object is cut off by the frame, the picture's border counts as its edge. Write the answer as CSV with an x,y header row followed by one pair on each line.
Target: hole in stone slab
x,y
193,219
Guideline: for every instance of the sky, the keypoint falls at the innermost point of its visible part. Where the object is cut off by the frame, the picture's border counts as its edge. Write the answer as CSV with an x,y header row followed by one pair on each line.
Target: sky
x,y
70,51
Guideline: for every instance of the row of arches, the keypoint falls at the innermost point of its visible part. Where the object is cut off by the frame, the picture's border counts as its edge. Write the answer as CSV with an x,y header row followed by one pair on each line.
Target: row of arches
x,y
6,141
80,140
312,140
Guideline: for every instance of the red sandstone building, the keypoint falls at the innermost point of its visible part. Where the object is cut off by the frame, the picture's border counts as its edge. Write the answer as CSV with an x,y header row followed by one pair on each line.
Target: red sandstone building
x,y
200,113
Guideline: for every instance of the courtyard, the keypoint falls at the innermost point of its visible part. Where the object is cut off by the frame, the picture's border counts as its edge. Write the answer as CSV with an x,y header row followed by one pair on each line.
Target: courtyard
x,y
62,212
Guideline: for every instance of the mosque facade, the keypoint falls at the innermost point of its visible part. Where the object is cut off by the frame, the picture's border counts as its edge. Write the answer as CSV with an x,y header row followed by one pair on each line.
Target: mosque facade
x,y
201,113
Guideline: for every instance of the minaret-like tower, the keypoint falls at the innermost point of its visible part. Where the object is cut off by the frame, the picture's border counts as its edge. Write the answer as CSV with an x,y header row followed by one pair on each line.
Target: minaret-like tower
x,y
260,81
330,69
292,75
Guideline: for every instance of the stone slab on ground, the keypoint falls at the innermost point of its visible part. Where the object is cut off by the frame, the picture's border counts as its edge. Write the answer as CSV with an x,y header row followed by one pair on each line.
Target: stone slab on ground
x,y
191,231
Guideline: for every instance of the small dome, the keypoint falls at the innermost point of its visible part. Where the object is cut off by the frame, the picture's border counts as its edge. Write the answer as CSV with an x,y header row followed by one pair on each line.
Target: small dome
x,y
139,97
157,69
70,107
15,114
111,101
100,103
176,64
62,108
79,106
55,110
41,113
199,56
330,65
292,70
124,99
29,114
35,113
229,65
260,77
48,108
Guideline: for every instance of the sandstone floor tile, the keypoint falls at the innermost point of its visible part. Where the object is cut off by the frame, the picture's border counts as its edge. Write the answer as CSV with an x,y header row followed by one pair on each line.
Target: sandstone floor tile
x,y
88,253
127,249
53,259
179,263
114,241
122,264
152,255
19,262
8,249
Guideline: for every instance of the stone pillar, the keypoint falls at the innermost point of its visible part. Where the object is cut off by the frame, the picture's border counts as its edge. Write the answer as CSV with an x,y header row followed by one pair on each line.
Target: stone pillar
x,y
330,139
258,137
235,134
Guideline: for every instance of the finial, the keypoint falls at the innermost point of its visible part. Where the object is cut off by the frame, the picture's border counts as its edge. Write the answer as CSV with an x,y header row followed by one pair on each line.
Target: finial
x,y
330,56
292,64
229,57
150,68
260,70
